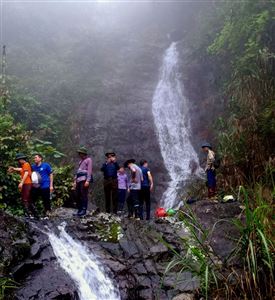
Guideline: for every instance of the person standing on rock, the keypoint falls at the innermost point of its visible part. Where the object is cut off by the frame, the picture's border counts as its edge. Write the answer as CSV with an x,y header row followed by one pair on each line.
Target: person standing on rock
x,y
109,169
210,170
44,186
25,184
146,188
123,185
134,188
82,180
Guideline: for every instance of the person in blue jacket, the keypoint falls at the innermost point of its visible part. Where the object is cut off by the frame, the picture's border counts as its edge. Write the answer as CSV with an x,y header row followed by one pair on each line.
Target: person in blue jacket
x,y
44,187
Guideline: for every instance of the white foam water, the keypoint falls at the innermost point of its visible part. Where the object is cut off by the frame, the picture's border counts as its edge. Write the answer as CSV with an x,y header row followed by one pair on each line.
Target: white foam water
x,y
171,118
83,267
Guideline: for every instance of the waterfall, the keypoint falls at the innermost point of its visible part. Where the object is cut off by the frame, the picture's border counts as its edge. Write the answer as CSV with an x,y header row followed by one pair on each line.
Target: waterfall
x,y
170,112
83,267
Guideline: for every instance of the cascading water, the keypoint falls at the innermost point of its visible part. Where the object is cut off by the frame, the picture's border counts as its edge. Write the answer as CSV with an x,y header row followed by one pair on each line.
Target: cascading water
x,y
170,111
83,267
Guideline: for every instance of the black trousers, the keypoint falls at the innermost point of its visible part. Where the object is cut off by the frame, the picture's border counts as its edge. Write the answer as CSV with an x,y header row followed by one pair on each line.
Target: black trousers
x,y
81,196
44,194
145,196
133,203
111,194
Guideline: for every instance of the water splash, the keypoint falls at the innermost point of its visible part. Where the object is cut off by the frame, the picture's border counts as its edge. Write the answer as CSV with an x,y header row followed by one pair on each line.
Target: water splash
x,y
170,111
83,267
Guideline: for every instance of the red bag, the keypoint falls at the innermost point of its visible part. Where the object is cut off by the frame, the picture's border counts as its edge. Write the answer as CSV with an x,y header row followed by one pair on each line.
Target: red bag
x,y
161,212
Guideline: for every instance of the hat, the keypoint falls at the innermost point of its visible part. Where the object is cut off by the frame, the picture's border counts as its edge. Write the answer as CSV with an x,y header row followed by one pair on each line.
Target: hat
x,y
129,161
82,150
206,145
20,156
110,152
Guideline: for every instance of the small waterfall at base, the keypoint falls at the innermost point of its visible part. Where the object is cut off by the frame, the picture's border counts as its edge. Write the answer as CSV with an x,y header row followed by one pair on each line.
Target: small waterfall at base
x,y
83,267
170,111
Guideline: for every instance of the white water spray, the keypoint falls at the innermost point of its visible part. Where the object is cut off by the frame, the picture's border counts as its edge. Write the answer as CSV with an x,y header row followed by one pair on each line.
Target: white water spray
x,y
170,111
83,267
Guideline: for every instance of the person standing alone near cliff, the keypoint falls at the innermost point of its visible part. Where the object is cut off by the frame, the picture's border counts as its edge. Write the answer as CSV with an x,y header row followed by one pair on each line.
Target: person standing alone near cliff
x,y
82,180
210,171
109,169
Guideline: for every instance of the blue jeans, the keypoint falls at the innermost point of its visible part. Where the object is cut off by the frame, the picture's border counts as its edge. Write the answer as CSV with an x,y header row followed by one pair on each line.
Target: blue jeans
x,y
211,182
82,196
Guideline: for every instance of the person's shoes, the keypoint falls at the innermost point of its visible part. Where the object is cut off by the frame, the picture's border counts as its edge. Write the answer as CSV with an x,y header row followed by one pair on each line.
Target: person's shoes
x,y
214,199
76,213
82,213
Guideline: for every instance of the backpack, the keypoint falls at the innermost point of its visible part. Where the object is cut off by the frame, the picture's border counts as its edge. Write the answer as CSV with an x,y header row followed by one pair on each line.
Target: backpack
x,y
36,179
217,162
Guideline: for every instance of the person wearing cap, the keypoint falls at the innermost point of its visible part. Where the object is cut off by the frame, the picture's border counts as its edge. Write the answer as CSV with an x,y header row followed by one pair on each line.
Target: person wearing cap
x,y
82,180
146,188
45,187
210,170
134,188
110,183
25,184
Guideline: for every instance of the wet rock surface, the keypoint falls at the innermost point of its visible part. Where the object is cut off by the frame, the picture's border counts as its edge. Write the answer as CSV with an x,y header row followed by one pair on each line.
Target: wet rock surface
x,y
217,218
27,257
137,257
134,253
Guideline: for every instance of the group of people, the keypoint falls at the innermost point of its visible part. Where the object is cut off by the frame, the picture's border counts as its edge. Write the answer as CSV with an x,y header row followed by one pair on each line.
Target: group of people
x,y
133,187
36,181
118,186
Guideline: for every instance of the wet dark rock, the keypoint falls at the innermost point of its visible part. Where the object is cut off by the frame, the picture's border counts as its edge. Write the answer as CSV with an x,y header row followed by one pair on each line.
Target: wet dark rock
x,y
129,247
180,281
208,214
35,250
50,282
132,252
184,297
23,269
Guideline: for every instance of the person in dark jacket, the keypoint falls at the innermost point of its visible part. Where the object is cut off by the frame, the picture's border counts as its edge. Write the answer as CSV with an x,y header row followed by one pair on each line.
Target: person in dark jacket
x,y
82,181
109,169
146,188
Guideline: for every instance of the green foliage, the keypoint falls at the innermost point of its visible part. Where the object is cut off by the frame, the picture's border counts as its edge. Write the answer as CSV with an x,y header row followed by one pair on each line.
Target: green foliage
x,y
6,284
256,246
63,180
255,251
200,258
15,138
243,48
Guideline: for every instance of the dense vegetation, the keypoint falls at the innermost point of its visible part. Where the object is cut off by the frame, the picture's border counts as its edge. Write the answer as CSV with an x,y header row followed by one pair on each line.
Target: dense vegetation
x,y
24,128
235,53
